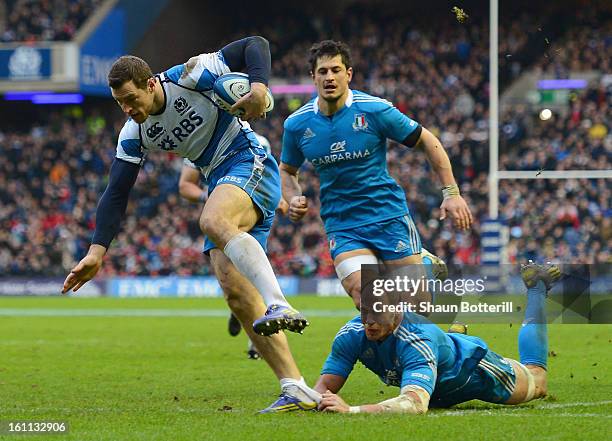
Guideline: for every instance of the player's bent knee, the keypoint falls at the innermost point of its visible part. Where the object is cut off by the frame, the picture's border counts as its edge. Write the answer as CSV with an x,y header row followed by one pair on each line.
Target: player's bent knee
x,y
208,224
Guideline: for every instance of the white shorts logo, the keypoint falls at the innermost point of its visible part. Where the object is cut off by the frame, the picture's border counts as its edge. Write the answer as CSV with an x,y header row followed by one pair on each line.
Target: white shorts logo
x,y
230,179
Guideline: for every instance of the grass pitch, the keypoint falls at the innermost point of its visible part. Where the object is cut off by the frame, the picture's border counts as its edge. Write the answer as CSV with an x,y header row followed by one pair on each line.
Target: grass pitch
x,y
166,369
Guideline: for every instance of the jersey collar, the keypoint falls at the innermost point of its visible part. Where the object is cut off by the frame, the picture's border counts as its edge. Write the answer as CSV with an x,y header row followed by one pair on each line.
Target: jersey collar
x,y
348,103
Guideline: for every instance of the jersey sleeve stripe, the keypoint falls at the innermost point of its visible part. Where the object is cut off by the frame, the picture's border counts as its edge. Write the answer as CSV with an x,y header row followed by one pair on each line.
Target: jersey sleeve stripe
x,y
301,111
426,353
418,344
352,323
206,80
372,100
131,147
349,328
174,73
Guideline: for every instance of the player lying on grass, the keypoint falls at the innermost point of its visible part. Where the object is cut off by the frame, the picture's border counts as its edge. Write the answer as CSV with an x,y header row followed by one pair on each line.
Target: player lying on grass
x,y
291,400
174,111
343,133
190,189
436,369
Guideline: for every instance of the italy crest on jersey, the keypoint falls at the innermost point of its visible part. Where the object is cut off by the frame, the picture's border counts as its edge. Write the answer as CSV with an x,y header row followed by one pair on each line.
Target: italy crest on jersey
x,y
332,242
360,122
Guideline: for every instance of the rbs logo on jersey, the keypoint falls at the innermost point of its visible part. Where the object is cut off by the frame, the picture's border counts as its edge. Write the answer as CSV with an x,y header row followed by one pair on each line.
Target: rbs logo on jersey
x,y
187,126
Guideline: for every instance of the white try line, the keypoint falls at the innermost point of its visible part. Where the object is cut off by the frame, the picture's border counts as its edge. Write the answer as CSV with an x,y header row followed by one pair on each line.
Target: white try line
x,y
511,411
498,412
522,415
125,312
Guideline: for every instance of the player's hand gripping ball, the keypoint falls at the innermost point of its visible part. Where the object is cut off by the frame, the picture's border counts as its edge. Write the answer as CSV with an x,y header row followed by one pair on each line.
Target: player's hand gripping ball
x,y
231,87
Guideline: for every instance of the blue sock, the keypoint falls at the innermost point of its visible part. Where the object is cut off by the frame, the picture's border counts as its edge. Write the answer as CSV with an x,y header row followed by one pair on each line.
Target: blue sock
x,y
533,338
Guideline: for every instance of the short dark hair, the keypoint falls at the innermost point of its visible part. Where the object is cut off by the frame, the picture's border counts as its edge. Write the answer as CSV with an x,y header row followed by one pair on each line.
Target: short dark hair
x,y
129,67
329,48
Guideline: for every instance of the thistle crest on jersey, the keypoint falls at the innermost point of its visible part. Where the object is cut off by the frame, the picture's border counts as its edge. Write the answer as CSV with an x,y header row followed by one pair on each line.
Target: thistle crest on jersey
x,y
360,122
180,105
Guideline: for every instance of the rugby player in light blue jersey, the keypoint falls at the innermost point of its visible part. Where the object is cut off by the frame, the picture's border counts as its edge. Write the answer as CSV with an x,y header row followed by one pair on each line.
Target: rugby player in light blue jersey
x,y
344,133
438,369
174,112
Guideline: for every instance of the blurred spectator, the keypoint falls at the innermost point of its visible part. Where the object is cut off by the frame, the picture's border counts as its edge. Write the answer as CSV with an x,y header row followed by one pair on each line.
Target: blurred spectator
x,y
46,20
52,176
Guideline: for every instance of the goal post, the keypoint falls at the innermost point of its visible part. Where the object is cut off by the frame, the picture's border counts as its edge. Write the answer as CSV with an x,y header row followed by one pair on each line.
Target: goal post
x,y
493,239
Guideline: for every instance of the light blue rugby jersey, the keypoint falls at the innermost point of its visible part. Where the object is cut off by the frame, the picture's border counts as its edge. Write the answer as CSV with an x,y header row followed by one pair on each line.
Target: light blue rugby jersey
x,y
417,353
190,124
348,151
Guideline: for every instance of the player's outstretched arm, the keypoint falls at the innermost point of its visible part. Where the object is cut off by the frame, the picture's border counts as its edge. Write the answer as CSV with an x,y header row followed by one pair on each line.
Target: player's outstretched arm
x,y
329,382
413,400
188,185
292,192
453,203
110,209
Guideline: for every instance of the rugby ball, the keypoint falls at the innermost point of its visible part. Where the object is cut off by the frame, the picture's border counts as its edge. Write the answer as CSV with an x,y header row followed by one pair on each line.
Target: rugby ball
x,y
230,87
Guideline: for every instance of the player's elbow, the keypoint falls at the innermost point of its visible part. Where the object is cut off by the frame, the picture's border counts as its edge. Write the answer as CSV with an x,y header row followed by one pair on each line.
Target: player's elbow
x,y
428,140
259,40
412,400
286,169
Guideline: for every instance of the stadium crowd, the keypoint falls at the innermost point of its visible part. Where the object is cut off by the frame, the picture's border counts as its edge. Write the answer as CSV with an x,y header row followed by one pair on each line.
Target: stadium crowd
x,y
45,20
52,176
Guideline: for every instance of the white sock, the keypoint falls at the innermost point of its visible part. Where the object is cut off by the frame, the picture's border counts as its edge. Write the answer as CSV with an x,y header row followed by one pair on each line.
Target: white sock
x,y
250,259
300,389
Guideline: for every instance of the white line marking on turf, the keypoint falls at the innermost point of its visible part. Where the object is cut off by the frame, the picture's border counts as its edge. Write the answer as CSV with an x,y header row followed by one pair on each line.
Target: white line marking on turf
x,y
457,413
484,412
508,411
125,312
579,404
